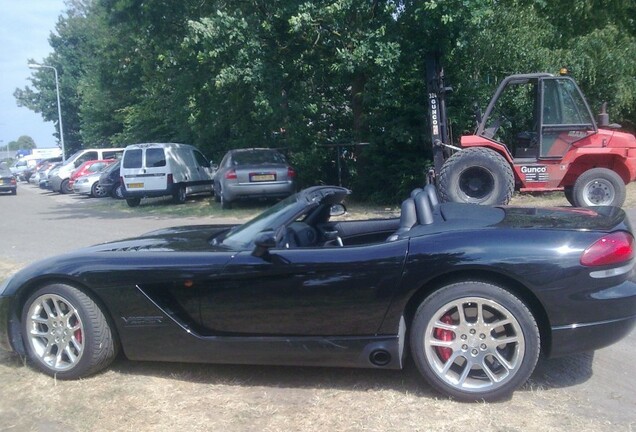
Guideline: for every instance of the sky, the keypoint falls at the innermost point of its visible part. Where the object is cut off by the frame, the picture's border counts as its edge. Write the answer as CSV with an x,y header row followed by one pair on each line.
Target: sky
x,y
25,26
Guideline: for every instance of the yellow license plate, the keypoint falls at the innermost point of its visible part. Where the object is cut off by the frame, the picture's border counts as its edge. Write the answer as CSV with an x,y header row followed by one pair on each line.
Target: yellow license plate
x,y
135,185
262,177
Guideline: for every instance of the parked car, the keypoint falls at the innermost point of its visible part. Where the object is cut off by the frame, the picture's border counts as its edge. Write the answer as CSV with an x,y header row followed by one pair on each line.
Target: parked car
x,y
60,181
19,167
89,185
45,183
8,182
164,169
110,180
88,167
474,293
42,172
253,173
30,171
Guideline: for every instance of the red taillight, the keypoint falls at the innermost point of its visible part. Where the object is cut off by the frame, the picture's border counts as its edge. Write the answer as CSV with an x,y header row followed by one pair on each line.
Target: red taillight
x,y
614,248
291,173
231,175
170,179
14,182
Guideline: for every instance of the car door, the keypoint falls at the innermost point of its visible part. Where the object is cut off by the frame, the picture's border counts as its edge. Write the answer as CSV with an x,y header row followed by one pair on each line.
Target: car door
x,y
305,291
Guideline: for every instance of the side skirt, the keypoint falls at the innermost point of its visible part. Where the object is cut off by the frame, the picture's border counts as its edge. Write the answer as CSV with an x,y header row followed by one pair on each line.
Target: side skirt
x,y
173,344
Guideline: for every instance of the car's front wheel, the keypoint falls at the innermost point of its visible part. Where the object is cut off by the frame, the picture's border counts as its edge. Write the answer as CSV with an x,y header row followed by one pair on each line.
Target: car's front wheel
x,y
65,332
65,187
474,341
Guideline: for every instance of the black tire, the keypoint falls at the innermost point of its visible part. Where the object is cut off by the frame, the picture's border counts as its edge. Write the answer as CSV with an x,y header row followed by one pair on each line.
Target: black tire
x,y
476,175
217,193
179,196
225,204
569,195
14,192
65,187
481,367
133,202
117,191
65,333
599,187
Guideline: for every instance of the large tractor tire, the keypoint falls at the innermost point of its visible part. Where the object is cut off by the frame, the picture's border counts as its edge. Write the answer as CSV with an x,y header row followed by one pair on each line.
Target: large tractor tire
x,y
476,175
599,187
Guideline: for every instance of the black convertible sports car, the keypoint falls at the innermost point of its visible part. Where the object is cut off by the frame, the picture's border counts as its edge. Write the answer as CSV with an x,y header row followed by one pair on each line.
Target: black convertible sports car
x,y
473,293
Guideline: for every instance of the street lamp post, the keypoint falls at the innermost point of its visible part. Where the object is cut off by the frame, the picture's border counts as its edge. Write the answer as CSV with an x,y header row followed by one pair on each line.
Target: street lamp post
x,y
59,107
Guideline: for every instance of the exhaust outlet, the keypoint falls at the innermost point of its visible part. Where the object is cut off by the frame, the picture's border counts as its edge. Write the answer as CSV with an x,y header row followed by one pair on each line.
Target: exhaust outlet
x,y
380,357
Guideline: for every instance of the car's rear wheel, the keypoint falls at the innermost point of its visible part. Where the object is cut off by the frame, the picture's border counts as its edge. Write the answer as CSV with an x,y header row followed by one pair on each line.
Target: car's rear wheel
x,y
117,191
179,196
133,202
65,332
474,341
225,204
217,193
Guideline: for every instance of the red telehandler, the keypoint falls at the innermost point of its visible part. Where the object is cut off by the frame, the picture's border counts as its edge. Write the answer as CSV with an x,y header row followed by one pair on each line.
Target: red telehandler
x,y
537,134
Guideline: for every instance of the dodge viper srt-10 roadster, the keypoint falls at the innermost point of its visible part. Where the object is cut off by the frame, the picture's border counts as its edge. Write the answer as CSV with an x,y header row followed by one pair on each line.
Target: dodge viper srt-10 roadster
x,y
473,293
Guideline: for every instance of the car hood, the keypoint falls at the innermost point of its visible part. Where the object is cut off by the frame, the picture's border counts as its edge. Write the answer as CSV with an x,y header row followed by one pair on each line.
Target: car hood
x,y
194,238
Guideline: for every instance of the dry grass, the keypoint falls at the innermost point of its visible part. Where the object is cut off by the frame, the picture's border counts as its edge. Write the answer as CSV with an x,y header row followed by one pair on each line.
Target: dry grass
x,y
167,397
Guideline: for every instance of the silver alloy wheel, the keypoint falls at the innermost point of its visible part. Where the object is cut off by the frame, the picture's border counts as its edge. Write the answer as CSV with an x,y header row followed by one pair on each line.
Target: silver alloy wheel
x,y
98,190
599,192
55,332
474,344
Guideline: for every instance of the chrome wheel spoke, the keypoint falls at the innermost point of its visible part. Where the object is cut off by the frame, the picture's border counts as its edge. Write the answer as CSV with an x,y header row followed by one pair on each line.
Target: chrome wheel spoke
x,y
506,340
503,361
462,378
47,308
490,373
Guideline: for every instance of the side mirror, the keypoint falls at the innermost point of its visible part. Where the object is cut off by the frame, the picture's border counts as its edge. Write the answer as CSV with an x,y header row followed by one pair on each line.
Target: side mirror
x,y
337,210
263,242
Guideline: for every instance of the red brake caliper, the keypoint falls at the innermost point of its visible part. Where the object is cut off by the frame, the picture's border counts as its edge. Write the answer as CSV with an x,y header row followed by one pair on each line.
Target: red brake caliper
x,y
444,335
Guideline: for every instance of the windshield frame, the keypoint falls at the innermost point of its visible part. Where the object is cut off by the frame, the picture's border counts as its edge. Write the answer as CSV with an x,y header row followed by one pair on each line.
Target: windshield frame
x,y
242,237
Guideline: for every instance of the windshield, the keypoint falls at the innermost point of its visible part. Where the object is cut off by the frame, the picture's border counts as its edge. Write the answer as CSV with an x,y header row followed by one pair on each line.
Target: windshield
x,y
241,237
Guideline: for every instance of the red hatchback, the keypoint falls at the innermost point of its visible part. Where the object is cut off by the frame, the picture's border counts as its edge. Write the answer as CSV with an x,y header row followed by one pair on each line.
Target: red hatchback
x,y
89,167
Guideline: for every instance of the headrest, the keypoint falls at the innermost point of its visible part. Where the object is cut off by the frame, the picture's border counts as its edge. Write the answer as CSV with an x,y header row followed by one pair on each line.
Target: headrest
x,y
431,191
423,208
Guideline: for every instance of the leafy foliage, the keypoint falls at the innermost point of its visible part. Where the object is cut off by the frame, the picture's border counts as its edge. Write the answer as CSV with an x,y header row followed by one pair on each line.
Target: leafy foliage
x,y
317,77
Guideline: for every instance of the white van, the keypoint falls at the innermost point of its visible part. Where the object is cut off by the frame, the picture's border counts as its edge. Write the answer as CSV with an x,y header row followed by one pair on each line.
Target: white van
x,y
59,182
160,169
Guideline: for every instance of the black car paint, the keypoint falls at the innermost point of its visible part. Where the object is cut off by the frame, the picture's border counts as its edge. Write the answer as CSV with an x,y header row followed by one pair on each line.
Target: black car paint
x,y
175,295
